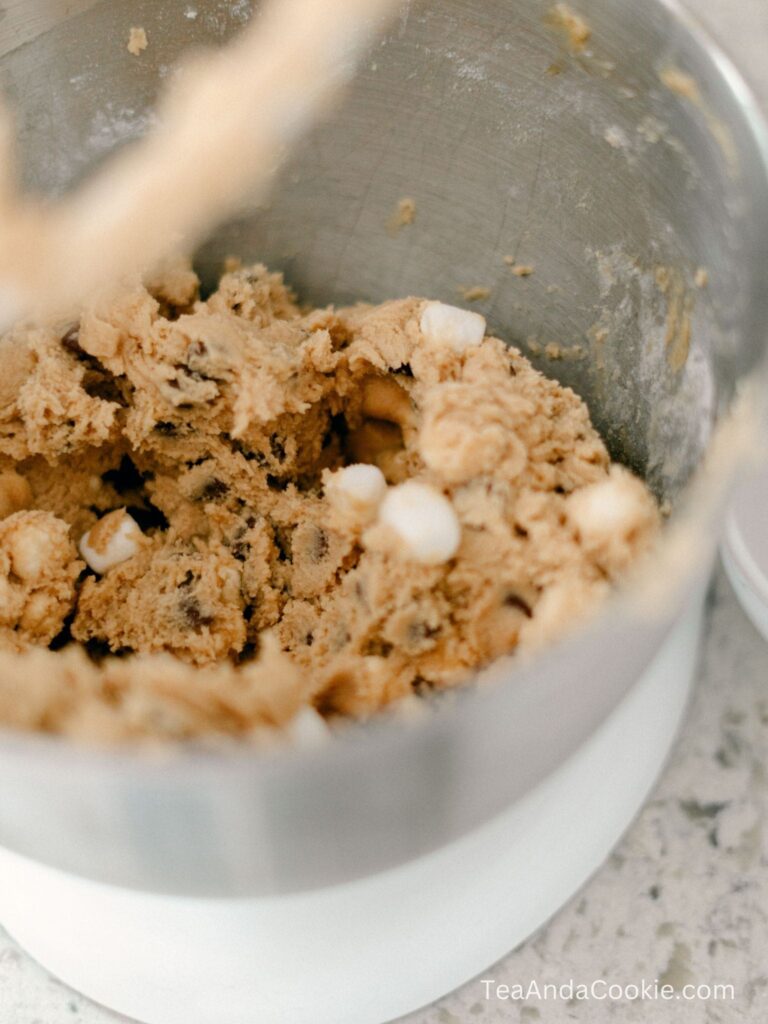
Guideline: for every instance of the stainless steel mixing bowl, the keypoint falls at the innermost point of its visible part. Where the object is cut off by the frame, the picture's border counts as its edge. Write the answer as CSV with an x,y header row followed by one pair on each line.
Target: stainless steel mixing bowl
x,y
514,141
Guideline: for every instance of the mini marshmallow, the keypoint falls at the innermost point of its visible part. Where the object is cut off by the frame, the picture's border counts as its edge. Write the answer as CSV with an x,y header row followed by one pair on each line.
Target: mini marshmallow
x,y
611,508
614,519
448,325
360,487
114,539
363,483
424,521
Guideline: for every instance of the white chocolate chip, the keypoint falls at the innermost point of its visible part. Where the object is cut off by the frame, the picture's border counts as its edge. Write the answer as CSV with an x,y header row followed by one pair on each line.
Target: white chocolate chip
x,y
114,539
424,520
457,328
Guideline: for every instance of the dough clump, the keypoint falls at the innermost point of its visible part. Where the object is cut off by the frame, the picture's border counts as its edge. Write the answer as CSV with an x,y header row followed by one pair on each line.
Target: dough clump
x,y
284,512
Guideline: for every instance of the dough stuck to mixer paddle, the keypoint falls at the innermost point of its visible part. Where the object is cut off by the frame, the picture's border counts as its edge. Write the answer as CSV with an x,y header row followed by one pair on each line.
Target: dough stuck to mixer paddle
x,y
224,129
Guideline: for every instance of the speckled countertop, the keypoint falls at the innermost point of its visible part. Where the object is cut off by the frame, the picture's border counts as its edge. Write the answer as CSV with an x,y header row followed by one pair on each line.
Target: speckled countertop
x,y
684,897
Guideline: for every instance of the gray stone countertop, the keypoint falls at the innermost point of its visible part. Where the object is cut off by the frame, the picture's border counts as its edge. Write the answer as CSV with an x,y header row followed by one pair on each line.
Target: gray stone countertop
x,y
684,897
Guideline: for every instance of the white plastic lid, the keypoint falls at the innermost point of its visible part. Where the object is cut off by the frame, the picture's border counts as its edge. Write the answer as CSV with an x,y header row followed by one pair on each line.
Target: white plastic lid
x,y
745,547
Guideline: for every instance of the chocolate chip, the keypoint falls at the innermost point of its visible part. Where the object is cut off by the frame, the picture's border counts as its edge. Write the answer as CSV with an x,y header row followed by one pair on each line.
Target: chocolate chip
x,y
339,425
340,336
103,386
71,340
166,428
97,649
185,375
249,652
284,544
336,695
404,370
421,687
64,637
125,478
184,372
240,550
197,350
212,490
277,448
193,614
251,456
275,483
148,517
515,601
378,647
418,632
97,381
319,546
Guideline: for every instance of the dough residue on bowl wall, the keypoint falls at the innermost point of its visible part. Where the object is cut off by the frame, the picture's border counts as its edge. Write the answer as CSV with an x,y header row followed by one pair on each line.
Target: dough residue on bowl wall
x,y
137,41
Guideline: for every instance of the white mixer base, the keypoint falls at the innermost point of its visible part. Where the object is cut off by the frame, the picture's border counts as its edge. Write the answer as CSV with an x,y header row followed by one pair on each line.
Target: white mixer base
x,y
371,950
745,548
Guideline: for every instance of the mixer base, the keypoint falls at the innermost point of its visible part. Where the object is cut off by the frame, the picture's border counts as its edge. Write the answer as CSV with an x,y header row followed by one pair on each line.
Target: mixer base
x,y
745,548
371,950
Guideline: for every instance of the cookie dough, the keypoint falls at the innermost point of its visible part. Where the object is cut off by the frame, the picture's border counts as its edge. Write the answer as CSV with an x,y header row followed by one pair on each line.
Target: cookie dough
x,y
219,513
